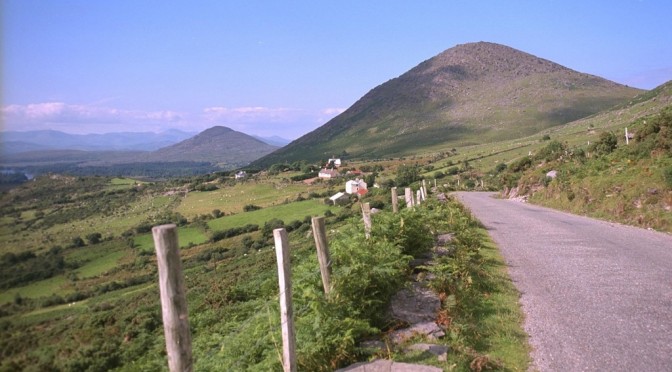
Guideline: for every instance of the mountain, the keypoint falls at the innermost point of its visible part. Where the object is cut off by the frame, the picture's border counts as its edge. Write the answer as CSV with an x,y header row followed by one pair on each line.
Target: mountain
x,y
13,142
218,145
469,94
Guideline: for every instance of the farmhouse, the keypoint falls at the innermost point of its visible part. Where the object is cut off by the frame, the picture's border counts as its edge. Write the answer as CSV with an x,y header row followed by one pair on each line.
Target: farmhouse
x,y
356,186
328,173
333,162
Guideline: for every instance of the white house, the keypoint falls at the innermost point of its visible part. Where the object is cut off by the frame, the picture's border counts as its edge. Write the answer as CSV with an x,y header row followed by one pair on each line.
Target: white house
x,y
336,162
327,173
241,175
356,186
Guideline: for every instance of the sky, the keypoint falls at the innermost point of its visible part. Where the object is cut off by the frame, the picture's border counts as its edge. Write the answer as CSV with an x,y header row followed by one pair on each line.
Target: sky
x,y
283,67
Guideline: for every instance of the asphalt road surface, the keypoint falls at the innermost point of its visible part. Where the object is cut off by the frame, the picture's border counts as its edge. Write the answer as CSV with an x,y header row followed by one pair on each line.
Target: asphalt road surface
x,y
597,296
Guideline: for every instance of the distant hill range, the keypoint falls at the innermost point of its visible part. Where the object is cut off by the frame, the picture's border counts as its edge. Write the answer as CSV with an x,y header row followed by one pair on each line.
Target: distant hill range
x,y
469,94
217,148
16,142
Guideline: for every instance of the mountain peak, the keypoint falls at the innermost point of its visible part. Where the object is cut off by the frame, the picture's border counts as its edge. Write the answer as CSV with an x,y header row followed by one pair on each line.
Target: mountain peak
x,y
224,146
468,94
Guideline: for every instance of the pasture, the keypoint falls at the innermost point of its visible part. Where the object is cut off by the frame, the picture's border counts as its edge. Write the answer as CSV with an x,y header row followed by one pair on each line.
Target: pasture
x,y
232,199
285,212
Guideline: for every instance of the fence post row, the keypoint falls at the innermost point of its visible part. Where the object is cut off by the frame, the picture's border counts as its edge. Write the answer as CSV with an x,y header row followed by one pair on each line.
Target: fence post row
x,y
395,200
286,311
320,235
173,299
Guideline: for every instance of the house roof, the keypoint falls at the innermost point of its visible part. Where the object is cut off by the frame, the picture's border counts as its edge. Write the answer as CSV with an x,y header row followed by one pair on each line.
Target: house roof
x,y
337,196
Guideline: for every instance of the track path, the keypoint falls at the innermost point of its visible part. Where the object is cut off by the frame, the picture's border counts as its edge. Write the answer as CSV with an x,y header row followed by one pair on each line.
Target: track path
x,y
597,296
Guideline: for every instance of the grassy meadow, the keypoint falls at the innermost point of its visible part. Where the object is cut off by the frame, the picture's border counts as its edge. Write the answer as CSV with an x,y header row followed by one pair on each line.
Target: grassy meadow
x,y
78,288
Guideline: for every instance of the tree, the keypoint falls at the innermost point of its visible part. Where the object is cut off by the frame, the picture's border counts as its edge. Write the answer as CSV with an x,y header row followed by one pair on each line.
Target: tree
x,y
407,174
605,145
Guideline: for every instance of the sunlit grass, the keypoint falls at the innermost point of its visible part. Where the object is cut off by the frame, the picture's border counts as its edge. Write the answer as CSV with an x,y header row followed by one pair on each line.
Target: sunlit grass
x,y
285,212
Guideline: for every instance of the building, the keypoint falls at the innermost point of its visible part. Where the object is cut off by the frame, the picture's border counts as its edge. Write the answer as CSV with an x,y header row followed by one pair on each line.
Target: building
x,y
241,175
356,186
328,173
339,198
335,162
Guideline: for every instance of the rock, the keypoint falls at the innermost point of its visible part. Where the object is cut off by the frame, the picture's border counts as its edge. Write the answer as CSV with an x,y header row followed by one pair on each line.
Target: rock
x,y
441,351
382,365
552,174
374,345
443,239
416,304
430,330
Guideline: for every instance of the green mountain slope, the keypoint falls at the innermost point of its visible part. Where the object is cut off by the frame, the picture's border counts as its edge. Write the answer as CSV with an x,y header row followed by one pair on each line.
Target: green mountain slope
x,y
470,94
626,182
218,145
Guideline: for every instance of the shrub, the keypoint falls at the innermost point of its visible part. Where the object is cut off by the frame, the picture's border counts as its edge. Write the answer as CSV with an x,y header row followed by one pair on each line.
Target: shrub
x,y
667,176
605,145
520,164
407,174
251,207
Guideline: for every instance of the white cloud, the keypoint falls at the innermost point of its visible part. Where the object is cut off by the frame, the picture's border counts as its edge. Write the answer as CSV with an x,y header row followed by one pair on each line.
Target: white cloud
x,y
83,118
251,114
96,118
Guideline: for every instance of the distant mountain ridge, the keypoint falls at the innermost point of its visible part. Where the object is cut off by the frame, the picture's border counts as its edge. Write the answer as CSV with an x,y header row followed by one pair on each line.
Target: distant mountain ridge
x,y
216,148
468,94
13,142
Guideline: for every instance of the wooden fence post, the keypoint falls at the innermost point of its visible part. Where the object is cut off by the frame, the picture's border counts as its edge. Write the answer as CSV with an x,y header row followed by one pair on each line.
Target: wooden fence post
x,y
173,299
395,200
366,215
424,190
320,235
409,197
286,312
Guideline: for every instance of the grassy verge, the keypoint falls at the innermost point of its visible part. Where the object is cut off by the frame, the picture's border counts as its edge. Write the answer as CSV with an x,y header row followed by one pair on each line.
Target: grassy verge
x,y
480,311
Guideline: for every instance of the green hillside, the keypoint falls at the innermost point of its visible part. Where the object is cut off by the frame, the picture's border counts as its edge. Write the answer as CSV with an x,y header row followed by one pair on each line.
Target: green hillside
x,y
470,94
598,173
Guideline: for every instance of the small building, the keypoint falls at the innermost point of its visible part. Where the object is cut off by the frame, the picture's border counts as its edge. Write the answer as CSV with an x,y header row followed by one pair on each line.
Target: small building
x,y
339,198
241,175
333,162
356,186
328,173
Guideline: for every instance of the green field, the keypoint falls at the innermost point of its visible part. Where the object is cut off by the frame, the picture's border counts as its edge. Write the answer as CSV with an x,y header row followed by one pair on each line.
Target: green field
x,y
186,235
285,212
232,199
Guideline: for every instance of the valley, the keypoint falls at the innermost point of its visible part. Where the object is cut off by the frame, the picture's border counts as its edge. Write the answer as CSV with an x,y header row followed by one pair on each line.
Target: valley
x,y
77,264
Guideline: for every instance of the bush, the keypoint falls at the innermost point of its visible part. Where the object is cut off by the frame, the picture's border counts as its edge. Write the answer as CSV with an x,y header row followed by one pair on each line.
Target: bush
x,y
521,164
407,174
251,207
605,145
667,176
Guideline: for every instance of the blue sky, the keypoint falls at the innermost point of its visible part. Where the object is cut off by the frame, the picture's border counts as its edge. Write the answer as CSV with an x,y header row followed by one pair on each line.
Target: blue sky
x,y
284,67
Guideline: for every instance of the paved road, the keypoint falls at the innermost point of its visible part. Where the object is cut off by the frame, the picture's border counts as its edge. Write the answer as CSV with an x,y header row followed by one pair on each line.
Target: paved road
x,y
597,296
